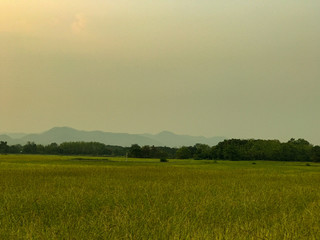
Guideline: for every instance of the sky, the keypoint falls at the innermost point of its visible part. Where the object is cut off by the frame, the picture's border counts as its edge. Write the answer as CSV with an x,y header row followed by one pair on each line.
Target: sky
x,y
233,68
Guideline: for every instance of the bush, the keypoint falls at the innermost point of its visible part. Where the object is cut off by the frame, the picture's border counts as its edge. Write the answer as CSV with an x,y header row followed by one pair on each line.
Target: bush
x,y
163,160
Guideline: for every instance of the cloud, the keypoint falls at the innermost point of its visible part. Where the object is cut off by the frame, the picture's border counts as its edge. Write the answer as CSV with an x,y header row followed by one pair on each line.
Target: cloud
x,y
79,24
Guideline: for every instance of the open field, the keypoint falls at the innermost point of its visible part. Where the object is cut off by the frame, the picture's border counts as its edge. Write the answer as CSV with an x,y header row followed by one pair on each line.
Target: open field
x,y
58,197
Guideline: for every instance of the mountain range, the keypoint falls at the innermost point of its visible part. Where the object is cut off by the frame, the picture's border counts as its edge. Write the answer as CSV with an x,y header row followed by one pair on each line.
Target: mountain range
x,y
67,134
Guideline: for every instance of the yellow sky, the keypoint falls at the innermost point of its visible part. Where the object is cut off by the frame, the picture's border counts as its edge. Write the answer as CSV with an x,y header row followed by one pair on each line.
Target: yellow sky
x,y
232,68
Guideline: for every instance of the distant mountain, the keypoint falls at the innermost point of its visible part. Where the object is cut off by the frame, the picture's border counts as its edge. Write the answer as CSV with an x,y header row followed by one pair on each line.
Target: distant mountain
x,y
66,134
14,135
6,138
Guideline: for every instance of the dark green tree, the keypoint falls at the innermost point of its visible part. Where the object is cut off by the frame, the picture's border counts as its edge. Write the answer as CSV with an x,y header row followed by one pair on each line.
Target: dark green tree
x,y
315,154
135,151
184,153
30,148
4,148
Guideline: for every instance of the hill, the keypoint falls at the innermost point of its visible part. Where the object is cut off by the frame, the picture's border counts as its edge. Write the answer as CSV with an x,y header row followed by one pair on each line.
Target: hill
x,y
67,134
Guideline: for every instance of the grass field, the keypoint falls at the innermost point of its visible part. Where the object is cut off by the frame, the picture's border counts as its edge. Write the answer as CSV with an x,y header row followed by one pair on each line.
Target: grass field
x,y
57,197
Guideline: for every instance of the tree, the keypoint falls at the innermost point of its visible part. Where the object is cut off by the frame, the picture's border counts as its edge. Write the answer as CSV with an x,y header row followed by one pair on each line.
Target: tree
x,y
52,148
202,151
146,152
183,153
29,148
315,154
135,151
15,148
4,148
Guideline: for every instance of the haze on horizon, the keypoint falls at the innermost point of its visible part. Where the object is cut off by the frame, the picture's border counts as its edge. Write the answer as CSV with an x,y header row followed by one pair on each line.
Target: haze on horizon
x,y
243,69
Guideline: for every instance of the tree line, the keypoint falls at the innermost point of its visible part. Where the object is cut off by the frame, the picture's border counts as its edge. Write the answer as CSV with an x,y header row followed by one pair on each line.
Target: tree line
x,y
231,149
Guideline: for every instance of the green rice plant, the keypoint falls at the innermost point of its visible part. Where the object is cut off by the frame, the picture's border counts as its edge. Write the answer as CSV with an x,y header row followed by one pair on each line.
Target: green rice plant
x,y
59,197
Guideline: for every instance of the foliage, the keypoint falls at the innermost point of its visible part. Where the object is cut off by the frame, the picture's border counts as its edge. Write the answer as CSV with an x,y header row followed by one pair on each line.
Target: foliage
x,y
184,153
135,151
237,149
163,160
232,149
4,148
31,147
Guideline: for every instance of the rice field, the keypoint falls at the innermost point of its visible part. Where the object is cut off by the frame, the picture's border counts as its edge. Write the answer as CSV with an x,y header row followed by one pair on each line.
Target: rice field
x,y
67,197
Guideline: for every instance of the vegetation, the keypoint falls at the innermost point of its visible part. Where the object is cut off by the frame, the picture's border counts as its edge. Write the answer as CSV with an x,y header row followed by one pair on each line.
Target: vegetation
x,y
233,149
163,160
293,150
60,197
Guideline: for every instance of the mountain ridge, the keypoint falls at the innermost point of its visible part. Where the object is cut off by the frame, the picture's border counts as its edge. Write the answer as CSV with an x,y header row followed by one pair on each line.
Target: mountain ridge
x,y
68,134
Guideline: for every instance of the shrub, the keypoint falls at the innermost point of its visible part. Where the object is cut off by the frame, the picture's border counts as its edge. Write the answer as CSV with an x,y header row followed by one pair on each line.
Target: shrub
x,y
163,160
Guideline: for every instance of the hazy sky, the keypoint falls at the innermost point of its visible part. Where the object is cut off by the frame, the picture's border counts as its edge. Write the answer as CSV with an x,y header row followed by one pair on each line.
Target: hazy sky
x,y
234,68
